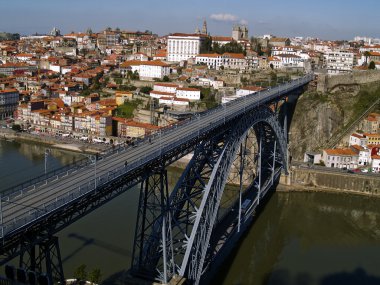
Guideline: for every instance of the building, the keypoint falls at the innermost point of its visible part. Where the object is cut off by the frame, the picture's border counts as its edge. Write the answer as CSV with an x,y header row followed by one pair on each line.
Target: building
x,y
358,139
184,46
279,42
371,124
165,87
364,157
127,128
340,158
146,69
226,60
8,102
239,32
339,62
191,94
373,139
10,68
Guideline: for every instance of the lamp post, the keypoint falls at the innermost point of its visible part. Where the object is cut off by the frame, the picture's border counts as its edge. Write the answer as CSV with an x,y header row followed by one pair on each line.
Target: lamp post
x,y
47,152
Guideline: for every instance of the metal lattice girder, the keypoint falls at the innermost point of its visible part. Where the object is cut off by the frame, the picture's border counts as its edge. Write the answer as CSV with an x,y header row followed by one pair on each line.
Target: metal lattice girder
x,y
196,245
44,258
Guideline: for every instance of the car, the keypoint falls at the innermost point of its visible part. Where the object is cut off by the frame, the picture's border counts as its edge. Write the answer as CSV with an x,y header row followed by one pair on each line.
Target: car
x,y
350,171
364,170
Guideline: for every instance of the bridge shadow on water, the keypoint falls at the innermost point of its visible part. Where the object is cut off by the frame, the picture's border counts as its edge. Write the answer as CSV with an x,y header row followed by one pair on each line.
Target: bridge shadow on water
x,y
358,277
95,242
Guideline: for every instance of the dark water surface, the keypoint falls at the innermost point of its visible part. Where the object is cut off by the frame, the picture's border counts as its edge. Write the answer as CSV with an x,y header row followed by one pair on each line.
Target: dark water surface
x,y
299,238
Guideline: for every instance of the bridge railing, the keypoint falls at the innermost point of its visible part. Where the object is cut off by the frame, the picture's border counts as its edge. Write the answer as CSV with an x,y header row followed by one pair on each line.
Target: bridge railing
x,y
92,184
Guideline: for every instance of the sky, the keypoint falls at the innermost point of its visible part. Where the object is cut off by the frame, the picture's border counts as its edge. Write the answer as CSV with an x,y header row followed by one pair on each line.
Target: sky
x,y
325,19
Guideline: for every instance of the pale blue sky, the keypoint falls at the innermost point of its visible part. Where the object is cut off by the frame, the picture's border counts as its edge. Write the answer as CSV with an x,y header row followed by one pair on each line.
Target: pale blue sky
x,y
326,19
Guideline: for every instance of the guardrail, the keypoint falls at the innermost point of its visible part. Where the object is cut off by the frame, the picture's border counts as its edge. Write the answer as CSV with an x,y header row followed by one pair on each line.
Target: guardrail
x,y
91,184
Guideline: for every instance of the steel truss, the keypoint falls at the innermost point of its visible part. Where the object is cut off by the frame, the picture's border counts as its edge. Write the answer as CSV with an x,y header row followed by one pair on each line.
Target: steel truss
x,y
178,240
45,259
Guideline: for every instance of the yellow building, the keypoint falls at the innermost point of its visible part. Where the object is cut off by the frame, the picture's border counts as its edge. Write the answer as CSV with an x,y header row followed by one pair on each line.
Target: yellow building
x,y
122,96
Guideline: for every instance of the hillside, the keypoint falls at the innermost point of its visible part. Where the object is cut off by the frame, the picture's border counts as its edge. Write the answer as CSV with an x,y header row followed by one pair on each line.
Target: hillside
x,y
319,117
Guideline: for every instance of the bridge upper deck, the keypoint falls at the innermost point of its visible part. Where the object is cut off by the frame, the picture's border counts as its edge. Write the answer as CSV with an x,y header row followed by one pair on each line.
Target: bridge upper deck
x,y
28,203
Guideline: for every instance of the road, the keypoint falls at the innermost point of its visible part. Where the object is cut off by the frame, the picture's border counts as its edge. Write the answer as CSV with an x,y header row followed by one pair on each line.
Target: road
x,y
24,206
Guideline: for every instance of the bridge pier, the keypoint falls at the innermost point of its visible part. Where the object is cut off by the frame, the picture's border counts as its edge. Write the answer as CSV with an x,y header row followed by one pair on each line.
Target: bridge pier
x,y
47,259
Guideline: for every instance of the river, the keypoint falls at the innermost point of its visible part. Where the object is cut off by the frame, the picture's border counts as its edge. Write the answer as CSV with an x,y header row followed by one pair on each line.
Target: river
x,y
299,238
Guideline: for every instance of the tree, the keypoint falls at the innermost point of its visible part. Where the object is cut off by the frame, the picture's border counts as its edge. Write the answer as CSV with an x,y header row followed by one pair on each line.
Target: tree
x,y
366,54
372,65
207,45
95,276
80,272
145,89
166,78
16,128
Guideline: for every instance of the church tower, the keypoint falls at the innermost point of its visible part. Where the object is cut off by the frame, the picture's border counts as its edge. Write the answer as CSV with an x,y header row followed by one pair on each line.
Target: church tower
x,y
204,28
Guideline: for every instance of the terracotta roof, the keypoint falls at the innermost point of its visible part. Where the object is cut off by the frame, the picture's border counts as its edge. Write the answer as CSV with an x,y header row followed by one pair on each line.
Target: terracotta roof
x,y
167,85
341,152
358,136
188,89
253,88
222,39
162,93
138,62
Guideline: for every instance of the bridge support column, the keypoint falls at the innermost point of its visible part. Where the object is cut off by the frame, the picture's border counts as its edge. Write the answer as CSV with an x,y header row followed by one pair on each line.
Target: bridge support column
x,y
46,260
152,243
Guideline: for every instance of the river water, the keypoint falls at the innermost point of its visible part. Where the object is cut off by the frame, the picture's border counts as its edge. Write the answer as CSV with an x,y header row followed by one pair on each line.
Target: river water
x,y
299,238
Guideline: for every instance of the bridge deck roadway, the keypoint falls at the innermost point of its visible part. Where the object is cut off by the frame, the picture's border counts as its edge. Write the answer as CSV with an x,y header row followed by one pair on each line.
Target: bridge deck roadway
x,y
23,207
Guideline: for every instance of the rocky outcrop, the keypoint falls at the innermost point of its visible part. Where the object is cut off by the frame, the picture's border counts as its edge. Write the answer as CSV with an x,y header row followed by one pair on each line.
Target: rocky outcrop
x,y
318,117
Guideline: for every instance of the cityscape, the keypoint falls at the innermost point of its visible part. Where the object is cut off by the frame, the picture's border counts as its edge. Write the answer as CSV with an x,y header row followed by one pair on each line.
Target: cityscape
x,y
223,147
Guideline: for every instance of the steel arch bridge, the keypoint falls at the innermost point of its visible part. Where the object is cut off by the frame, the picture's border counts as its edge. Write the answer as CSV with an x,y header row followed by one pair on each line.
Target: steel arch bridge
x,y
175,231
180,231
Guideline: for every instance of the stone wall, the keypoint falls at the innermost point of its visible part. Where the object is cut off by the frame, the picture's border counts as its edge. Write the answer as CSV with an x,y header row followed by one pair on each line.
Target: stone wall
x,y
328,82
311,178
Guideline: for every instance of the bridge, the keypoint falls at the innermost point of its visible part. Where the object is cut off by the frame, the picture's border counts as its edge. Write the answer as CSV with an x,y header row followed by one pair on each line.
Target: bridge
x,y
180,231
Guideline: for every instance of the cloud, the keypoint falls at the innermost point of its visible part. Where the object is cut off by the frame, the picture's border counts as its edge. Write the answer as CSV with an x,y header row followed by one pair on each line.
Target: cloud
x,y
243,22
224,17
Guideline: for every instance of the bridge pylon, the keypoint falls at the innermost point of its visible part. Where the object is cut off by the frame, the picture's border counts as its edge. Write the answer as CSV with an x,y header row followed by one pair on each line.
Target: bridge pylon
x,y
44,258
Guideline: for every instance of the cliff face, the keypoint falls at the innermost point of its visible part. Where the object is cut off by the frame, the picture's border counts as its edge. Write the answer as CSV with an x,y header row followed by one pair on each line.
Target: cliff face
x,y
320,116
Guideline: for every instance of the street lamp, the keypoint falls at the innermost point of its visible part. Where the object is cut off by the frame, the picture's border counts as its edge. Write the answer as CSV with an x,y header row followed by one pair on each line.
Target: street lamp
x,y
47,152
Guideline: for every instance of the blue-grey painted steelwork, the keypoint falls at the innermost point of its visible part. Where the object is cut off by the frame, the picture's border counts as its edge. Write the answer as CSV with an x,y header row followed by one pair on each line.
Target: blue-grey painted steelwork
x,y
59,198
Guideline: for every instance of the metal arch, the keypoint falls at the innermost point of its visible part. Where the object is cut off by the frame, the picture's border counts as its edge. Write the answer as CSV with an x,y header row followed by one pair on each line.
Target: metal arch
x,y
198,243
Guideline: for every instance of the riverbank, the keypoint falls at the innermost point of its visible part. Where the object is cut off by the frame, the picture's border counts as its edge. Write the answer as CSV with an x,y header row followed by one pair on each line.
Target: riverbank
x,y
317,180
53,142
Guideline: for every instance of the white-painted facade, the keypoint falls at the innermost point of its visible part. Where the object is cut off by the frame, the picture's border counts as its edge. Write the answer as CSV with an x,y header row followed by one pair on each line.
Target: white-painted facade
x,y
339,62
184,46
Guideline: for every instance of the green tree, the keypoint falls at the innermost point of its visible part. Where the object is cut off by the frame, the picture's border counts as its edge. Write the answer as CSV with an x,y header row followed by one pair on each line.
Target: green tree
x,y
207,45
366,54
372,65
80,273
16,128
166,79
95,276
146,89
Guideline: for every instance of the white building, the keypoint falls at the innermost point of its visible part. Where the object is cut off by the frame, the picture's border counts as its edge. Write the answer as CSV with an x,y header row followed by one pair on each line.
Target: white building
x,y
165,87
191,94
146,69
226,60
244,91
339,61
358,139
376,163
159,94
340,158
184,46
173,101
364,156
